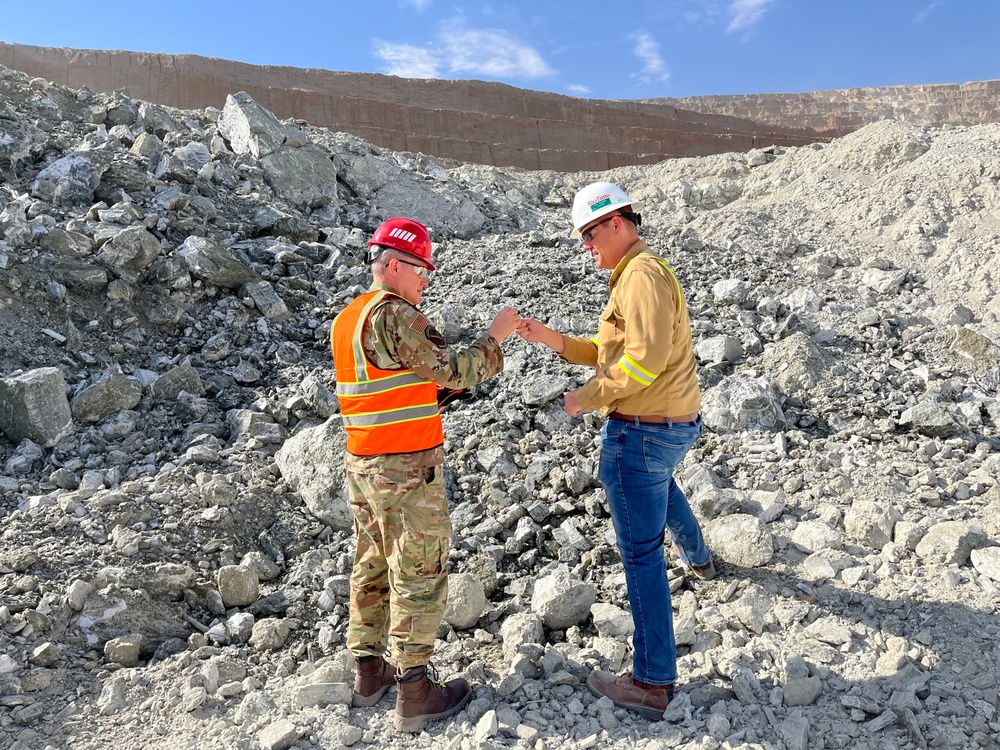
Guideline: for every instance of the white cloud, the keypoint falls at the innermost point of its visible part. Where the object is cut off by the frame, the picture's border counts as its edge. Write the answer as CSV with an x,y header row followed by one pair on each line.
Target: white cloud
x,y
417,4
490,52
648,51
745,13
460,50
922,15
578,89
695,12
406,60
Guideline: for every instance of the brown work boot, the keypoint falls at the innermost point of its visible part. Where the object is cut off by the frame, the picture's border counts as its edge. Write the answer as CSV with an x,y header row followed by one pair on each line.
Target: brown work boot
x,y
420,700
627,692
705,572
373,677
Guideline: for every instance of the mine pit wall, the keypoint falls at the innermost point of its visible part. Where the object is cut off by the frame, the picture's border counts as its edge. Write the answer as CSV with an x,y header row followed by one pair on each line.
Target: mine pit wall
x,y
833,113
467,121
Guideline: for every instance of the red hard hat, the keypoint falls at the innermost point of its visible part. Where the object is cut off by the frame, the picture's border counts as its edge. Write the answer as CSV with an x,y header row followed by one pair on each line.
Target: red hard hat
x,y
407,236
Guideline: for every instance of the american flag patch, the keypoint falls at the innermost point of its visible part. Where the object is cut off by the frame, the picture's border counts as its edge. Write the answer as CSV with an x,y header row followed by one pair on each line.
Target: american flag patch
x,y
419,324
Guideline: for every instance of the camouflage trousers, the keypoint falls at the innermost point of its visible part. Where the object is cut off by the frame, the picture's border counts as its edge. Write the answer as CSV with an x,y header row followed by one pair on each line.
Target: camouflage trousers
x,y
399,586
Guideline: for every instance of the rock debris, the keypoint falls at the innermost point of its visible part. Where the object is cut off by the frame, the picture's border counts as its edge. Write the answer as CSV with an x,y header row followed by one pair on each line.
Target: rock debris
x,y
176,543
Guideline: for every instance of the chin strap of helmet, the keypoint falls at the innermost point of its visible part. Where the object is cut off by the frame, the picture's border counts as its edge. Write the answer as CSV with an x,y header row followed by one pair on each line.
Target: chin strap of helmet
x,y
635,218
372,253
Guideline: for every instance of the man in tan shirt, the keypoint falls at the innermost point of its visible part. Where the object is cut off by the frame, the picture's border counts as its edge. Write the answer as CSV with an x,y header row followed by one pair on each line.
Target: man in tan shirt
x,y
646,386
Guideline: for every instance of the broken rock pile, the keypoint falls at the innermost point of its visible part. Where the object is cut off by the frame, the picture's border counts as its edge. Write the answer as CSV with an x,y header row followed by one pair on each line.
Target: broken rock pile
x,y
176,545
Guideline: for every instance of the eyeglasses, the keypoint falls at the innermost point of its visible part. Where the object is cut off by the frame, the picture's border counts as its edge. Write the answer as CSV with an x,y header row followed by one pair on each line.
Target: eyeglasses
x,y
418,269
588,234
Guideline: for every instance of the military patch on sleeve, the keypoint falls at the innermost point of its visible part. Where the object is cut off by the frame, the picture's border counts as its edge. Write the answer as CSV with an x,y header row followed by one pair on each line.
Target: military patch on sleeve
x,y
432,335
419,323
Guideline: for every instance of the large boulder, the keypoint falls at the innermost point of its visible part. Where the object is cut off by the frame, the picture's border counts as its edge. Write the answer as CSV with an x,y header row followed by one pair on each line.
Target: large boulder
x,y
740,539
871,523
18,141
466,601
797,364
130,251
72,179
33,405
932,418
390,191
249,128
561,600
742,403
210,261
305,177
110,394
951,542
312,462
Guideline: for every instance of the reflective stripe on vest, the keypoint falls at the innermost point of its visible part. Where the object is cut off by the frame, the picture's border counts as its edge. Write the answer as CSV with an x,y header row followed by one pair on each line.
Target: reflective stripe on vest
x,y
374,402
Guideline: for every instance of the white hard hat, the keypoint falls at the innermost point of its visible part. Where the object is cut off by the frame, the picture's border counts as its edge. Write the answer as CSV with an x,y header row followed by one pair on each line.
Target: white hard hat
x,y
596,200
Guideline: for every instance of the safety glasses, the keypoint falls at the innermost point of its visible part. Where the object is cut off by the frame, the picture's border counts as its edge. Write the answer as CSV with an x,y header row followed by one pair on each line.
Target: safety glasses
x,y
588,234
418,269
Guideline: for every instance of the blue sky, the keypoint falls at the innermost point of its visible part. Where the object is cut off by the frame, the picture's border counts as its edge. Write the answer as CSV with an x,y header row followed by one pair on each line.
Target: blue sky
x,y
606,50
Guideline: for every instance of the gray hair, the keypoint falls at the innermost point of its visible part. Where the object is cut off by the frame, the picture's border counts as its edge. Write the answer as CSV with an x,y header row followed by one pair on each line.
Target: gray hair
x,y
381,262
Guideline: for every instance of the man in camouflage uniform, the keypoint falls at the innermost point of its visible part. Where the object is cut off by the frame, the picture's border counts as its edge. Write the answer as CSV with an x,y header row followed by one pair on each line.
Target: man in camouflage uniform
x,y
392,367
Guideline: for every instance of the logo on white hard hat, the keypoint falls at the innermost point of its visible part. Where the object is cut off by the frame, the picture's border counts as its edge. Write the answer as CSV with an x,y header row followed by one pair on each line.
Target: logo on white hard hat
x,y
599,202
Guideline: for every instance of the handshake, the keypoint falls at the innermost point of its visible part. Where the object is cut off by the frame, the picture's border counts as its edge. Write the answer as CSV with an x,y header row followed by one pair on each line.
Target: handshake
x,y
509,321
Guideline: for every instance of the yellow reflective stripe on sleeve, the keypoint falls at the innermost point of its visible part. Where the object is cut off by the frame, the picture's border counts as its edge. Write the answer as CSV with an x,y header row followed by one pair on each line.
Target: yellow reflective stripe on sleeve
x,y
635,371
593,339
392,416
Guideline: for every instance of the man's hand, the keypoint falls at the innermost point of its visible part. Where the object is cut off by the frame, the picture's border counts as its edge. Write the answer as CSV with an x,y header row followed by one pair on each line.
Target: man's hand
x,y
532,330
504,323
570,404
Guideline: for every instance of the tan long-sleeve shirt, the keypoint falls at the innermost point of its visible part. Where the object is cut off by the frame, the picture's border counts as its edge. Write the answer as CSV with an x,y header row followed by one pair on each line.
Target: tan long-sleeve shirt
x,y
643,351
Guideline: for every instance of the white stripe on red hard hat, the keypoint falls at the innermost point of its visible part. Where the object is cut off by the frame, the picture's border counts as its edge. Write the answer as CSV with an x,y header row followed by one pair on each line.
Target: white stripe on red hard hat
x,y
403,234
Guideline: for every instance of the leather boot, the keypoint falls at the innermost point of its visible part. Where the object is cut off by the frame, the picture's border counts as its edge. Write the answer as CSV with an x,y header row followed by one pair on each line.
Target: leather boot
x,y
420,700
705,572
373,676
626,691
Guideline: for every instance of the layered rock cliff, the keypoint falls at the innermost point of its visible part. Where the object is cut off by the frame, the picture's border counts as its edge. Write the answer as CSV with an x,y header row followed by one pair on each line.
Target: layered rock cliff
x,y
835,113
469,121
500,125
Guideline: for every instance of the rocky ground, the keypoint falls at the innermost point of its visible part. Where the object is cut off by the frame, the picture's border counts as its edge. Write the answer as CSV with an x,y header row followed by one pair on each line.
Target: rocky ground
x,y
175,544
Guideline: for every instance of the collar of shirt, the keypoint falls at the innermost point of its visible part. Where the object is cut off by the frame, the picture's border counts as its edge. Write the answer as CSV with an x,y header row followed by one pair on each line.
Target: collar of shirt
x,y
637,248
381,286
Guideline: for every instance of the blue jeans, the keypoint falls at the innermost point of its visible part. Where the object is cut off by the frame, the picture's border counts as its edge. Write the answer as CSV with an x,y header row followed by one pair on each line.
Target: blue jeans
x,y
637,464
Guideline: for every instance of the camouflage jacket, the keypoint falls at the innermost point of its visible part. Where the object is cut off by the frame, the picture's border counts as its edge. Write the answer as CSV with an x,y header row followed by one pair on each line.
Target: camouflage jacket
x,y
398,336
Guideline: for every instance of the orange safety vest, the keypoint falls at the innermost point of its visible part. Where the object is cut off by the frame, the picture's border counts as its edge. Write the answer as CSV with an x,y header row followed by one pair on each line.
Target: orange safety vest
x,y
384,411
